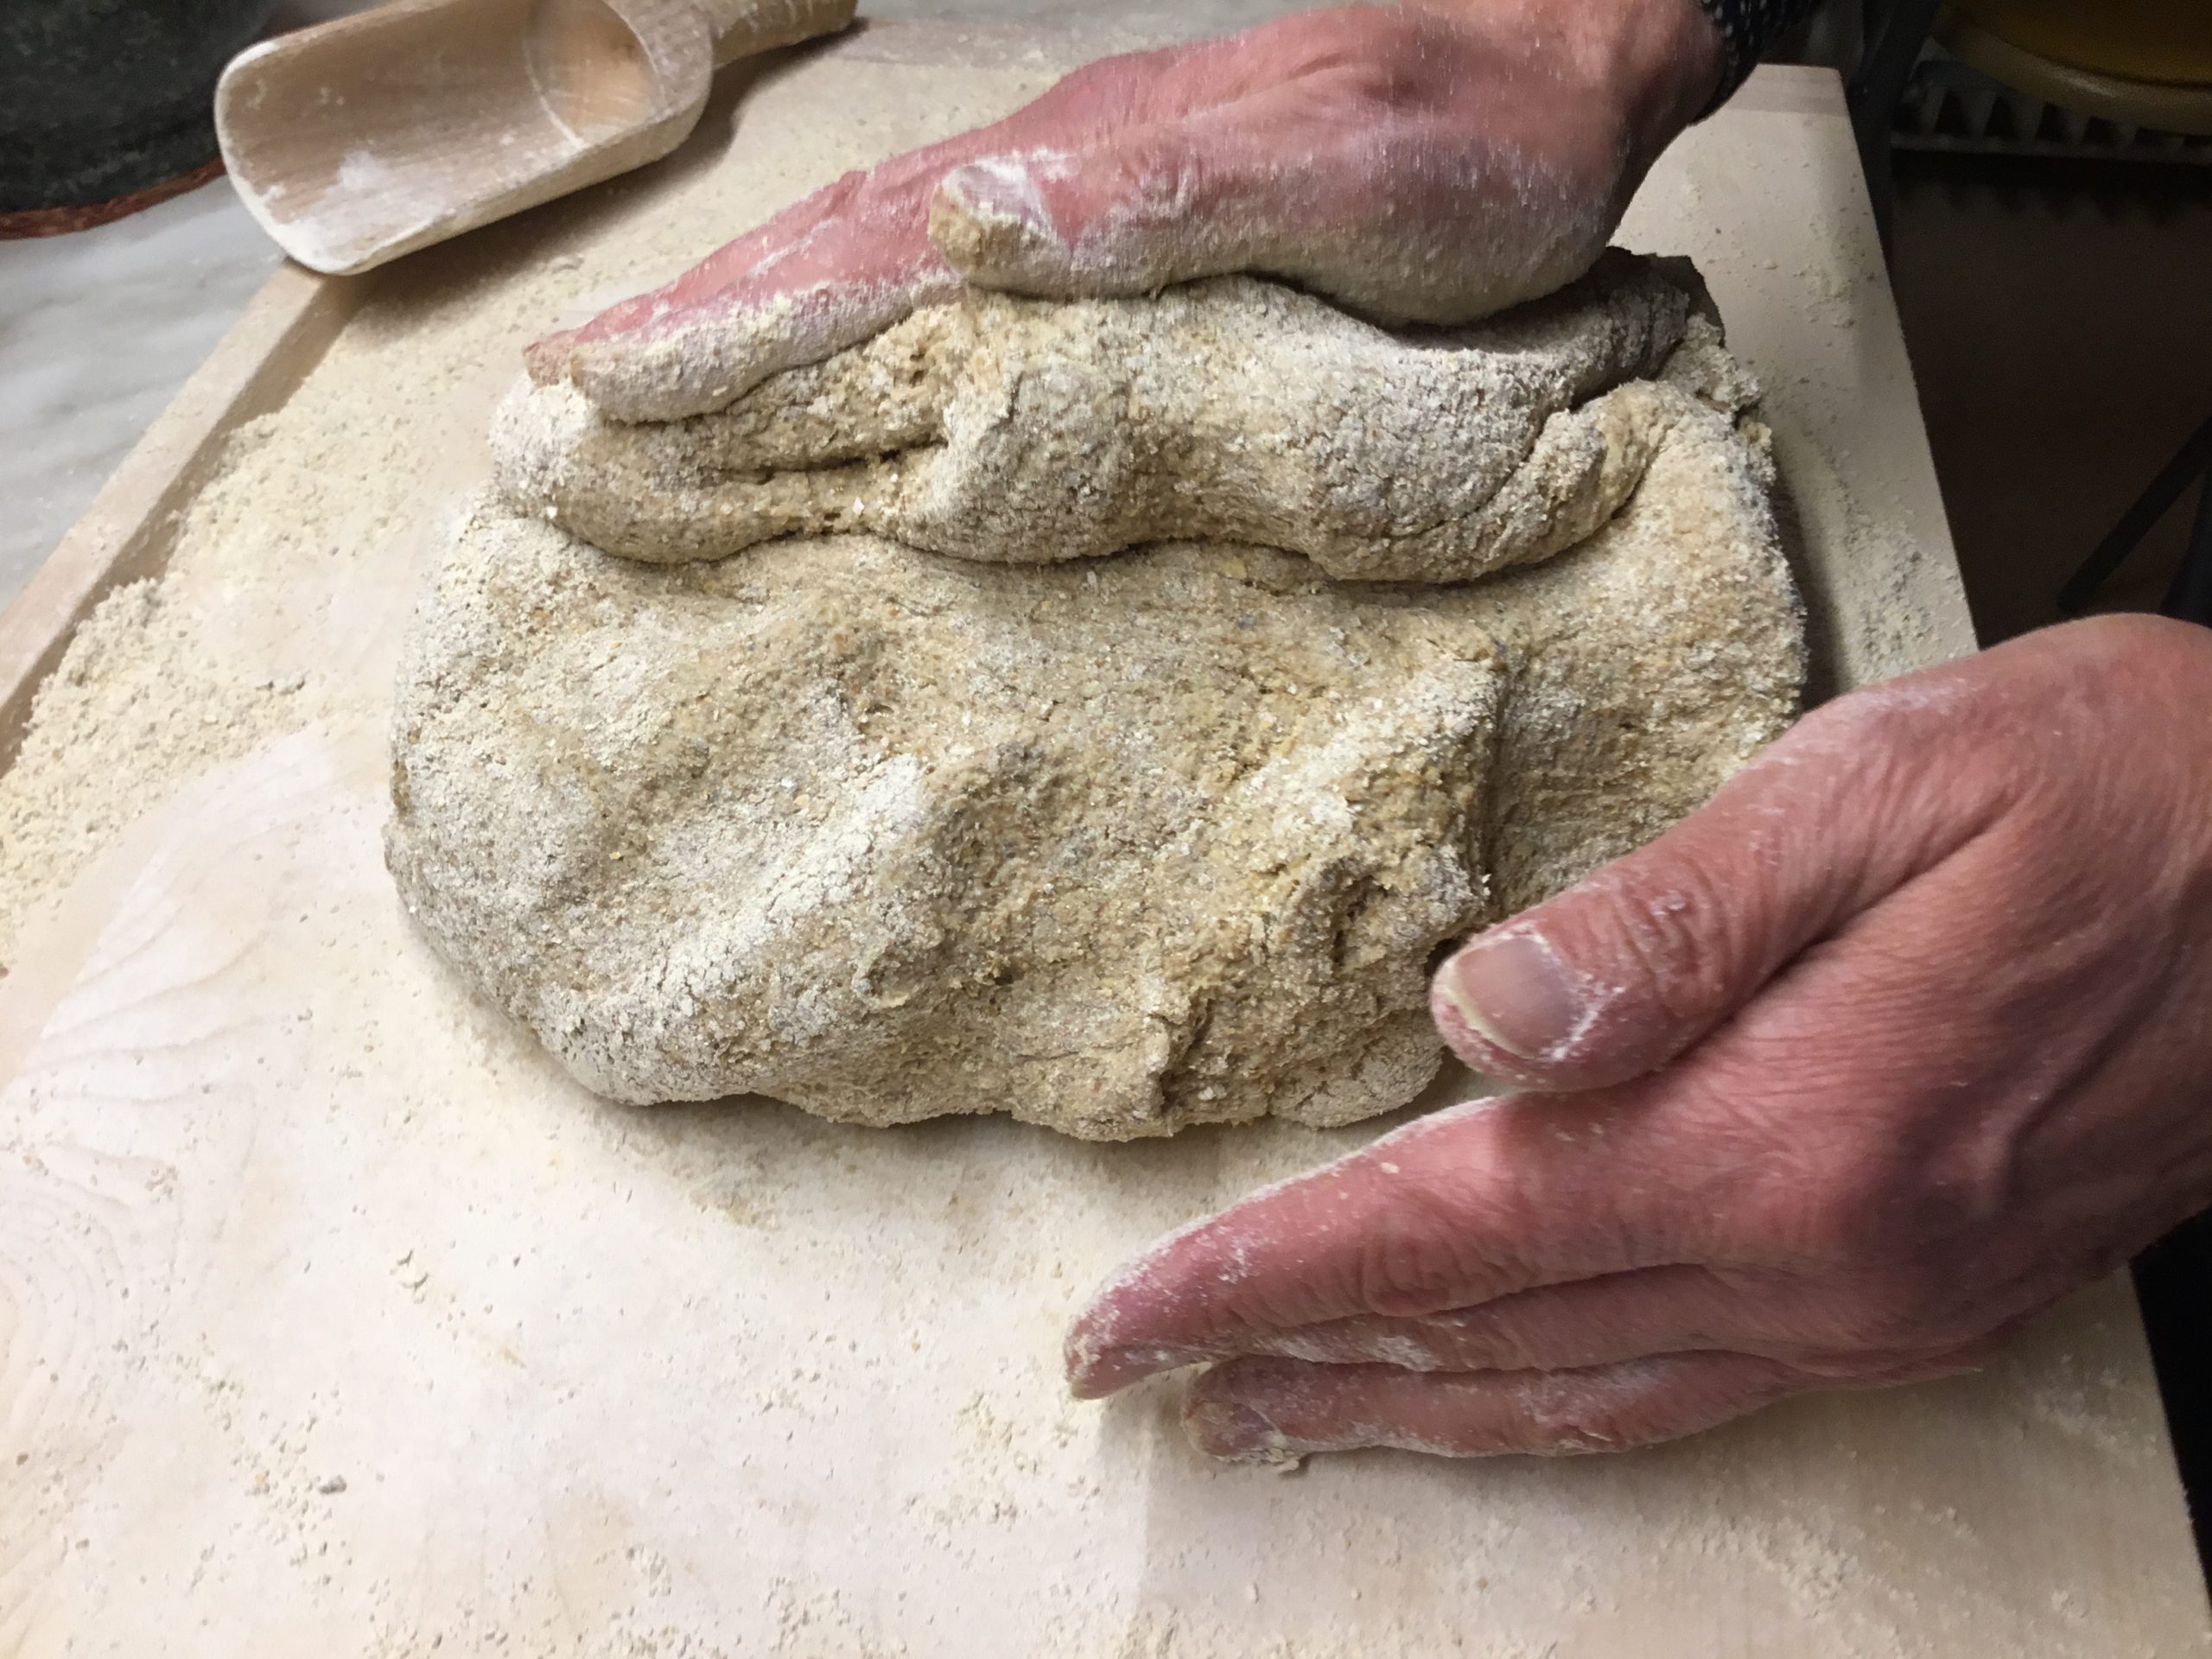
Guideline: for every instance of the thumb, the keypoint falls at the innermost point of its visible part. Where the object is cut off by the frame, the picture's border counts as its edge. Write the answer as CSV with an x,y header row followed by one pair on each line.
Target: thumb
x,y
1388,219
1249,184
1629,967
1128,215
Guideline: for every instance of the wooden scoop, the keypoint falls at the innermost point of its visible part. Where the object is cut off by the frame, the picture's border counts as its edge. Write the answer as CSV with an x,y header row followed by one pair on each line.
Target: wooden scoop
x,y
362,139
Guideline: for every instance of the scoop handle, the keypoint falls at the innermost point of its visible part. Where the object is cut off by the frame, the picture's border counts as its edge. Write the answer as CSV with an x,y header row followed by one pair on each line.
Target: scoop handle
x,y
744,27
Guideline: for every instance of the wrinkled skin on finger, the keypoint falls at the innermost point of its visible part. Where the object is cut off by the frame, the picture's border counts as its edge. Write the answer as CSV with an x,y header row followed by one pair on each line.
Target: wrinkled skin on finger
x,y
1901,1038
1431,163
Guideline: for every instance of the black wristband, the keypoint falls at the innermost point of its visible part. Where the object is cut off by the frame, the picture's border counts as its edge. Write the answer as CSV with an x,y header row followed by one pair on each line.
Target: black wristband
x,y
1747,29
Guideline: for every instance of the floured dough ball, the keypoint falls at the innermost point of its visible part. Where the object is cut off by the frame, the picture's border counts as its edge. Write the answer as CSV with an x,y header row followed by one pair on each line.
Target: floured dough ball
x,y
1024,431
1117,846
1165,840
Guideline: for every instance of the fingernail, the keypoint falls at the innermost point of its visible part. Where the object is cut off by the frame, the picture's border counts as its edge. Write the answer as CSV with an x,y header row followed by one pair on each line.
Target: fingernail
x,y
1225,1428
1081,1358
1097,1369
1513,991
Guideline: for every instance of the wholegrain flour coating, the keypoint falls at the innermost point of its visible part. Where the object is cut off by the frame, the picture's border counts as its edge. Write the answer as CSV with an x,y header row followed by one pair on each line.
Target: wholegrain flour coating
x,y
1020,431
1117,846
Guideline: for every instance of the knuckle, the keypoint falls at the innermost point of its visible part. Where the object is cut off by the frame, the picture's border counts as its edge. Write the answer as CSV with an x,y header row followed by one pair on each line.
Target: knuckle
x,y
1568,1415
1887,1258
1914,755
1481,1339
1363,56
1366,34
1887,720
1165,179
1404,1260
1872,752
1891,1207
1100,78
1674,933
1415,1256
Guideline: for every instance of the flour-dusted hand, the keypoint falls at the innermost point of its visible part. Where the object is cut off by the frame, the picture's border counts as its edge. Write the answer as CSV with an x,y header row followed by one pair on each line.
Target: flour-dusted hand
x,y
1432,163
1900,1038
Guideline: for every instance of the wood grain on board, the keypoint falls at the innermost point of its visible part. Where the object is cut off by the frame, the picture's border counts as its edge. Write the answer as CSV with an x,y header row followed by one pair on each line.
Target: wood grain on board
x,y
124,534
334,1319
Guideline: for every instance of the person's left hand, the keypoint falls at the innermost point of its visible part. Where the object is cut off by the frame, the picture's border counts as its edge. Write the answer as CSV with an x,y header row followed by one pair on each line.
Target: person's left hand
x,y
1432,162
1937,968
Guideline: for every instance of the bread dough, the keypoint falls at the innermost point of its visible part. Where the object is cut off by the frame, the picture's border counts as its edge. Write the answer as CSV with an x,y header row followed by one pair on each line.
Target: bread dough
x,y
1020,430
1115,846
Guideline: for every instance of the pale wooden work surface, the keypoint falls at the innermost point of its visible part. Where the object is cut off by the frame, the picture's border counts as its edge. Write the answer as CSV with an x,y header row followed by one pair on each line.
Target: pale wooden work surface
x,y
280,1207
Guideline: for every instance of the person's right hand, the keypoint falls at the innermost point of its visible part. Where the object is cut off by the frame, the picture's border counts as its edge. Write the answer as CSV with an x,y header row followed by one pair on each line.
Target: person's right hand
x,y
1415,163
1901,1037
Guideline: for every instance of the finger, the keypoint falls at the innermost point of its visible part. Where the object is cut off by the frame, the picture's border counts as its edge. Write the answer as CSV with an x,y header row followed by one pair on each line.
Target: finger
x,y
722,273
1469,1204
1161,190
1194,196
828,272
1628,968
1599,1321
1130,214
851,276
1279,1410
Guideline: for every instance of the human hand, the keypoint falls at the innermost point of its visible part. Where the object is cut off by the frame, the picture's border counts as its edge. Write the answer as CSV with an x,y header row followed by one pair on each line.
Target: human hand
x,y
1433,164
1934,974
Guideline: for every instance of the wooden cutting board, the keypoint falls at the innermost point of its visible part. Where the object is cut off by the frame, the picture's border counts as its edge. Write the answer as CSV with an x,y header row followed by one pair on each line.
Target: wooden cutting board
x,y
334,1319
